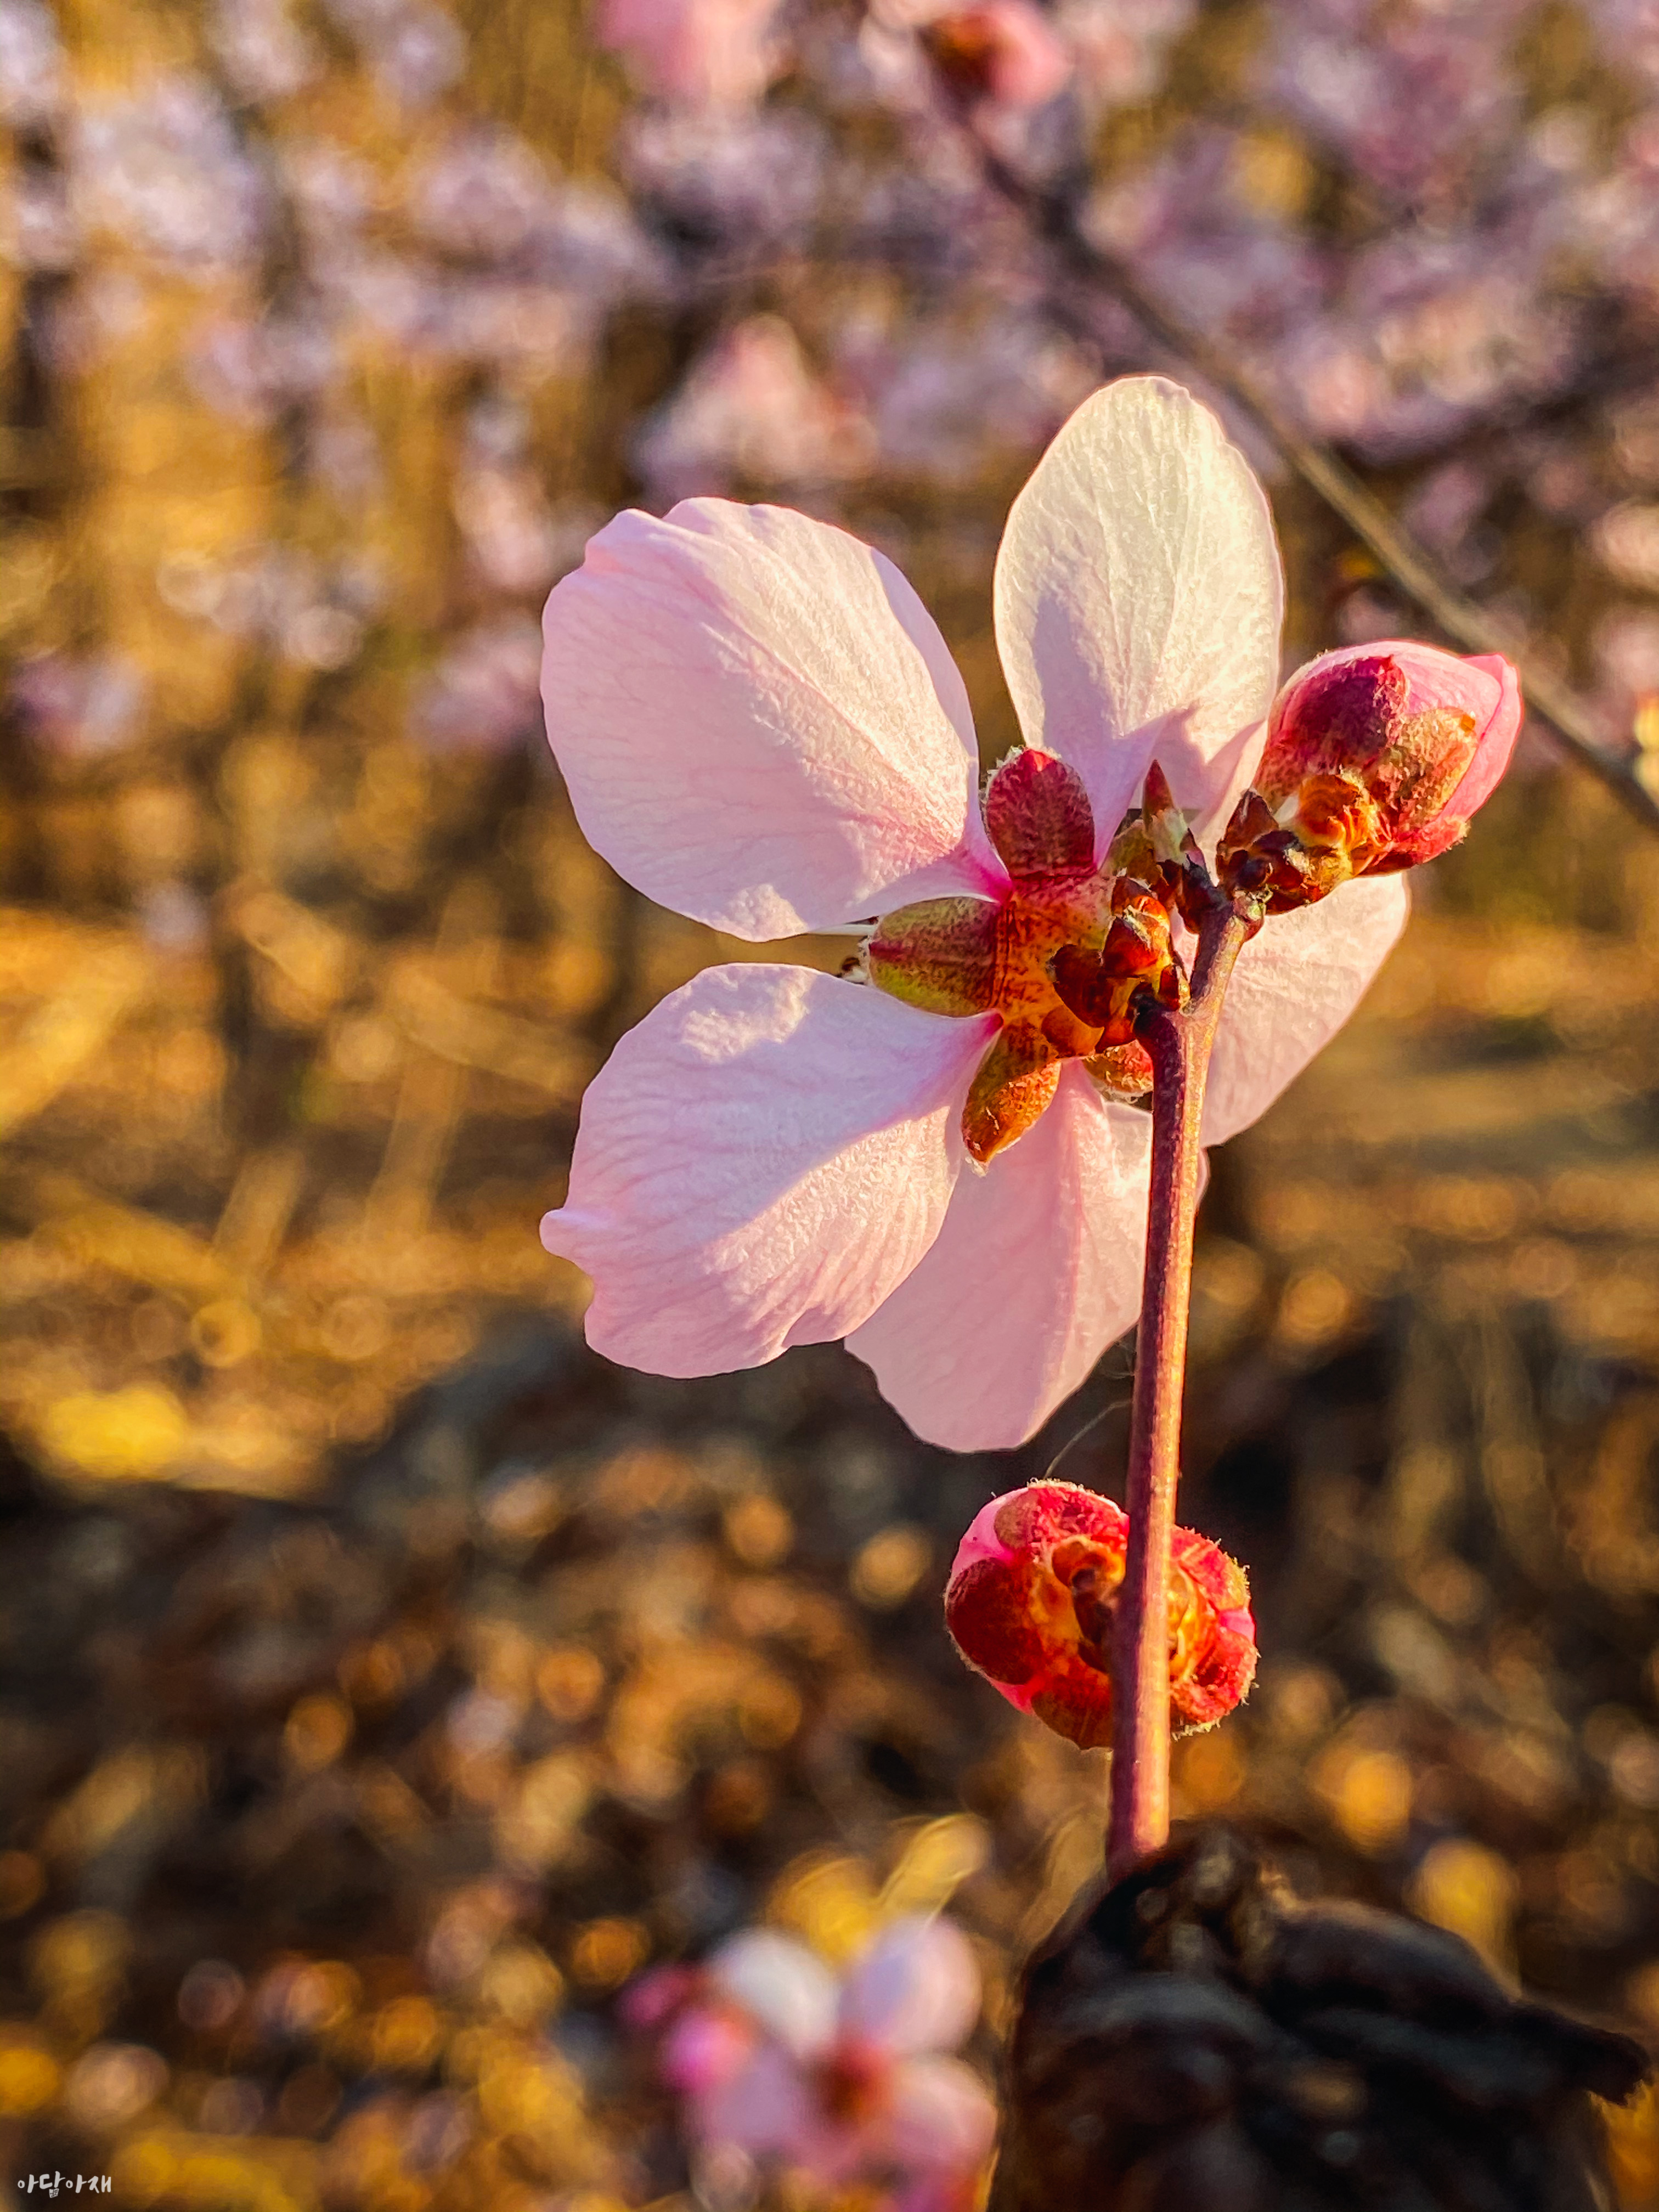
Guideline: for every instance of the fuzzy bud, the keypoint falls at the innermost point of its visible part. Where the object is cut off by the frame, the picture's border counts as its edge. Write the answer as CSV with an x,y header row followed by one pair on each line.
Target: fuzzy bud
x,y
1375,758
1032,1599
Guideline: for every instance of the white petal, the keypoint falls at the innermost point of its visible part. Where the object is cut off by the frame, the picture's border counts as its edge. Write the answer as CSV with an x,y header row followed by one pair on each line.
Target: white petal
x,y
759,724
1037,1270
940,2117
766,2108
916,1986
1138,596
782,1986
1296,982
760,1163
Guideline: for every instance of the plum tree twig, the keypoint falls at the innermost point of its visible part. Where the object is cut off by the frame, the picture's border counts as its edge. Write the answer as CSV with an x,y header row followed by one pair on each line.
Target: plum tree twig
x,y
1053,214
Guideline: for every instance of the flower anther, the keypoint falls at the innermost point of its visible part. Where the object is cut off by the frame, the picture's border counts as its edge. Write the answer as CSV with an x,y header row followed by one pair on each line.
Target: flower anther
x,y
1375,758
1030,1604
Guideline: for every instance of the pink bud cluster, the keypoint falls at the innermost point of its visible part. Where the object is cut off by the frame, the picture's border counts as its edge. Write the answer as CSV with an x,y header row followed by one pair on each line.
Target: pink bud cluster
x,y
1376,757
1031,1599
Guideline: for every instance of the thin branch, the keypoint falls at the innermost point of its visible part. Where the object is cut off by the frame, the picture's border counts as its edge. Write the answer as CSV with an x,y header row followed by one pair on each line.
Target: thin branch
x,y
1054,215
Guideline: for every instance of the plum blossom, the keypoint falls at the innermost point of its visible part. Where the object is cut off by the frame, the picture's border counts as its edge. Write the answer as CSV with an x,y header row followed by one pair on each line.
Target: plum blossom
x,y
747,184
713,53
848,2082
82,707
481,698
32,75
1030,1602
752,408
1003,51
163,169
761,728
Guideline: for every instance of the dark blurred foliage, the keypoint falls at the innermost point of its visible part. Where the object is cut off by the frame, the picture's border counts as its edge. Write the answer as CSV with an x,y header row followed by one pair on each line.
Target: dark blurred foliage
x,y
1199,2040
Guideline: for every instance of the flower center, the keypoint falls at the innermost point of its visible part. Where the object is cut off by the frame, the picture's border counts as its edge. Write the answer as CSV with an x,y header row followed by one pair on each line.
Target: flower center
x,y
1064,957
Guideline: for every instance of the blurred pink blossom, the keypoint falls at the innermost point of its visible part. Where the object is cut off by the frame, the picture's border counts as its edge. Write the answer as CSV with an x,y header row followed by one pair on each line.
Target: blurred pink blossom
x,y
165,170
760,726
719,53
264,53
481,696
413,50
1411,95
752,411
749,183
31,75
1629,31
82,705
848,2081
1119,47
485,196
1004,52
1626,649
948,394
1626,543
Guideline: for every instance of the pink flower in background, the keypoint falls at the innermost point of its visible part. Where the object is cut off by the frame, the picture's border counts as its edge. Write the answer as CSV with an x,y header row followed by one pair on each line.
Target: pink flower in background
x,y
715,53
1003,51
481,698
751,407
79,706
1428,732
760,726
849,2082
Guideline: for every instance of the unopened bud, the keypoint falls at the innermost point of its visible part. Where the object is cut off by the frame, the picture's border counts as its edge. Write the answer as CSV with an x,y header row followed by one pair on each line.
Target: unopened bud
x,y
1135,967
1375,758
1031,1601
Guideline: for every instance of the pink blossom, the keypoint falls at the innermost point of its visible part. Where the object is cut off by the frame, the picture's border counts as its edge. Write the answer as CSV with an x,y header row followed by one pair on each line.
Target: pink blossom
x,y
716,53
1002,51
848,2081
81,707
761,728
1118,46
751,407
481,698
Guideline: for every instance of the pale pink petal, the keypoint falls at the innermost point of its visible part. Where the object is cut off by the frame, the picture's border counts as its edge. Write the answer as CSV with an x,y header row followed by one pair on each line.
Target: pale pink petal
x,y
1139,597
782,1986
759,724
1496,740
702,2049
766,2108
760,1163
1035,1271
1296,982
916,1986
940,2117
655,1995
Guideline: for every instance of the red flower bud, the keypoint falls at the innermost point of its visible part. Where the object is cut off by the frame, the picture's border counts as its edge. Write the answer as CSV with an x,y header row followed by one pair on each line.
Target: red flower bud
x,y
1375,758
1030,1603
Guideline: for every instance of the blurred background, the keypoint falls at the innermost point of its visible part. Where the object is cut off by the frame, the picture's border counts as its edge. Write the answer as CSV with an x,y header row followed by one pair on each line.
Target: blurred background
x,y
388,1683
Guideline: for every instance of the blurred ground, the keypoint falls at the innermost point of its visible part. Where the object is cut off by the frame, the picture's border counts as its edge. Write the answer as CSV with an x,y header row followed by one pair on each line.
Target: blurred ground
x,y
383,1680
323,1810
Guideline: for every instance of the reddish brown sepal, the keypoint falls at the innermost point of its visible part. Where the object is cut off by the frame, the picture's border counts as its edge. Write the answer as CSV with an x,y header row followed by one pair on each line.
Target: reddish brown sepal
x,y
1038,816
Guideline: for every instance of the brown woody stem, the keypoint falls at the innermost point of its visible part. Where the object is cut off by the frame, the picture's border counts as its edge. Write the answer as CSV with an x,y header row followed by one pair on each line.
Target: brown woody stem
x,y
1180,1044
